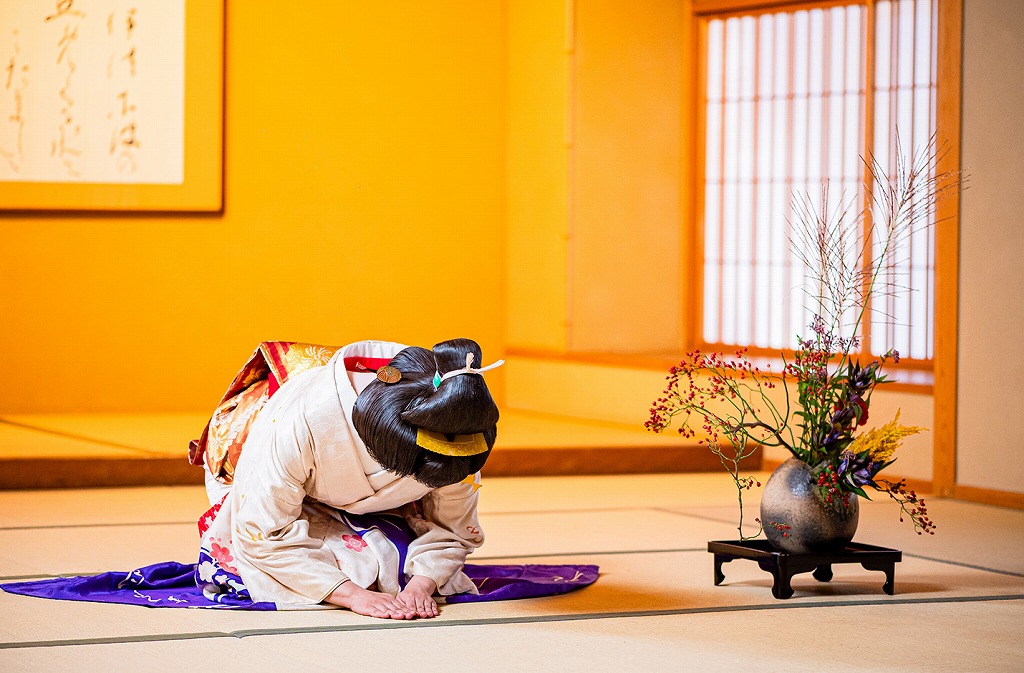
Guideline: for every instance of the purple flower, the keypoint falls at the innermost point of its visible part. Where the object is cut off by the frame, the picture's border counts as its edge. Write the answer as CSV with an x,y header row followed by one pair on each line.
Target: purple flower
x,y
826,441
843,418
857,470
865,475
860,379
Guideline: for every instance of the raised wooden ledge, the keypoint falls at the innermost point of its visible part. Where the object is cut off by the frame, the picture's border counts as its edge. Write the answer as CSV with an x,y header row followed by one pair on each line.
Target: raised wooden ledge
x,y
94,472
97,472
565,461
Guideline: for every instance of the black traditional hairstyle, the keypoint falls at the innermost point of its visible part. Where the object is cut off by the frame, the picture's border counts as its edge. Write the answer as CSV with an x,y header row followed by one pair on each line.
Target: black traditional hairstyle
x,y
387,415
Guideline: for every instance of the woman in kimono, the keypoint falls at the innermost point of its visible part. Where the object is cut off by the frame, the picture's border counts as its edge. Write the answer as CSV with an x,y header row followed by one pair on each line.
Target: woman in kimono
x,y
297,457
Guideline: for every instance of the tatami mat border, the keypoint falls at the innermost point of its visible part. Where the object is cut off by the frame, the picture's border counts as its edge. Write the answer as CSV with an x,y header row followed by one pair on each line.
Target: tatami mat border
x,y
540,619
515,557
662,510
961,564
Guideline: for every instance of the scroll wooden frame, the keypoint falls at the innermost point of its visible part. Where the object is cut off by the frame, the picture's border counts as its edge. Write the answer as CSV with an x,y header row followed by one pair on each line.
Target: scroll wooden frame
x,y
203,186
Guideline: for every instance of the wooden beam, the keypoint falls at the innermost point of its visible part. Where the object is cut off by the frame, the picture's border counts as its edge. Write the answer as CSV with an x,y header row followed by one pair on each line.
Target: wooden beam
x,y
947,247
721,7
567,461
92,471
989,496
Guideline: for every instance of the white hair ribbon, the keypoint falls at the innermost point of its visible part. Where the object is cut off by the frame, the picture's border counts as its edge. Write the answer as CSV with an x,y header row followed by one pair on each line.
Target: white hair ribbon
x,y
468,369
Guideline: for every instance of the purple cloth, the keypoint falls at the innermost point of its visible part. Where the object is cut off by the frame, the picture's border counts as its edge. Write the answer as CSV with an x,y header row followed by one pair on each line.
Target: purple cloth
x,y
162,585
498,583
178,585
172,585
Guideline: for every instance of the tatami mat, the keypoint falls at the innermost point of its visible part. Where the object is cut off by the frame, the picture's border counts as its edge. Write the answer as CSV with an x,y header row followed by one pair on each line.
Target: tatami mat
x,y
654,608
865,639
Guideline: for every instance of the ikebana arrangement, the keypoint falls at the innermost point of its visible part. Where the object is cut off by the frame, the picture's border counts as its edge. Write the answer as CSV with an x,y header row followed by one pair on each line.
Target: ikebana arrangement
x,y
811,501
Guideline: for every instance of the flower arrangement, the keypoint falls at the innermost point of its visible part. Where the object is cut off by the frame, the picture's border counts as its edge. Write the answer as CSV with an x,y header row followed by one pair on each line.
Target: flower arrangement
x,y
737,406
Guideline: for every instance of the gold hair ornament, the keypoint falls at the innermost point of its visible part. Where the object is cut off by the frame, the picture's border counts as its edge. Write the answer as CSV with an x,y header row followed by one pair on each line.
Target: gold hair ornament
x,y
461,446
389,374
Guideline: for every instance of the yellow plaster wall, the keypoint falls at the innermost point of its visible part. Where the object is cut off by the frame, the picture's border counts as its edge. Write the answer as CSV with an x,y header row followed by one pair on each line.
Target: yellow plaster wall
x,y
539,59
364,198
989,395
596,163
625,275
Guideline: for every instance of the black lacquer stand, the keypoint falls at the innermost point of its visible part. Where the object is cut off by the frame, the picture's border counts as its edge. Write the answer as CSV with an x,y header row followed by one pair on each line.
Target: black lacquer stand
x,y
783,565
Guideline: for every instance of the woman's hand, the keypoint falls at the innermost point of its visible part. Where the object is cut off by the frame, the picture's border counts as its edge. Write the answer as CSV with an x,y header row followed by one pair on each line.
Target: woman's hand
x,y
371,603
418,596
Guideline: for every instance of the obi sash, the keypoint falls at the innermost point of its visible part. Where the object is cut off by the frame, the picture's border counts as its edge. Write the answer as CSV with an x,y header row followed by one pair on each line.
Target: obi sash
x,y
269,367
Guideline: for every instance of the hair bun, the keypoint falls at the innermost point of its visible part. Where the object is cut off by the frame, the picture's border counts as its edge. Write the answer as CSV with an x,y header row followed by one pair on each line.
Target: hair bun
x,y
462,405
387,416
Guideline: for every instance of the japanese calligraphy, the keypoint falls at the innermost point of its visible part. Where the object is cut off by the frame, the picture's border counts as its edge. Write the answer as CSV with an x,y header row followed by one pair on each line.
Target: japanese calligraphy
x,y
92,91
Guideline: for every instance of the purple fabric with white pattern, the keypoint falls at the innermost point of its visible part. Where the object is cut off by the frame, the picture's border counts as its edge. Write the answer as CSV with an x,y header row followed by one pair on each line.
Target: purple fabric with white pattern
x,y
178,585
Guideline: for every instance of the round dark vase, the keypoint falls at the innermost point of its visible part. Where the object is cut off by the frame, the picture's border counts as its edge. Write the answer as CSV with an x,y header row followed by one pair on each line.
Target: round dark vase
x,y
795,517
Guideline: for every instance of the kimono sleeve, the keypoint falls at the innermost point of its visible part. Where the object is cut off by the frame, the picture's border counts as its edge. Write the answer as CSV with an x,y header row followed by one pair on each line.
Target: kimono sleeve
x,y
448,532
277,555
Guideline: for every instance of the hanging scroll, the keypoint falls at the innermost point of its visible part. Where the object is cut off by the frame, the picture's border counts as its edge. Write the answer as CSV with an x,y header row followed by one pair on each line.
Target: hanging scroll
x,y
111,104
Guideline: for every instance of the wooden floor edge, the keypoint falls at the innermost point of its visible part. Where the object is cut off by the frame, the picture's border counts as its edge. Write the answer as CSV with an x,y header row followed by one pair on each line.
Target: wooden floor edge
x,y
989,496
93,472
43,473
582,461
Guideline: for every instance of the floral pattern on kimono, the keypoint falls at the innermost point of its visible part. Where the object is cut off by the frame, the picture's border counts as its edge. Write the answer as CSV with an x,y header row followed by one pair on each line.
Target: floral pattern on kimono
x,y
214,573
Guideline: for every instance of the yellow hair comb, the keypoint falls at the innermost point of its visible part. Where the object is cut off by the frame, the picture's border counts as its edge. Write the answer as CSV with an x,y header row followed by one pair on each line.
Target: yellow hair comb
x,y
461,446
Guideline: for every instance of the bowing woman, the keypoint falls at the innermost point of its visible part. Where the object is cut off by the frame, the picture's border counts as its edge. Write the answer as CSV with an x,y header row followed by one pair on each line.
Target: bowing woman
x,y
350,484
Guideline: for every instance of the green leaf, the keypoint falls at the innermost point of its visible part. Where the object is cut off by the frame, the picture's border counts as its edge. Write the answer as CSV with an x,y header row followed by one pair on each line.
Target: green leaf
x,y
859,491
885,465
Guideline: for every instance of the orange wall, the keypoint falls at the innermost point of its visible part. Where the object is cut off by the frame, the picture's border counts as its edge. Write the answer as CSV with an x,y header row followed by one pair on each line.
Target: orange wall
x,y
364,198
539,47
625,274
596,169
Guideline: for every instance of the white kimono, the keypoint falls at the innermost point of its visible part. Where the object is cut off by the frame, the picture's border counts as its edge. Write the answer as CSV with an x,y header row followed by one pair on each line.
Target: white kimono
x,y
282,526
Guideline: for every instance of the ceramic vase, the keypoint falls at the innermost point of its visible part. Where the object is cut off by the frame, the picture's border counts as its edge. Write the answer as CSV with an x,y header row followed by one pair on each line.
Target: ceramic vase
x,y
797,519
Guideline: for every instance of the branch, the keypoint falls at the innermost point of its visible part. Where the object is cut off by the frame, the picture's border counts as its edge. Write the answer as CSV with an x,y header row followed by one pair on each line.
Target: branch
x,y
765,426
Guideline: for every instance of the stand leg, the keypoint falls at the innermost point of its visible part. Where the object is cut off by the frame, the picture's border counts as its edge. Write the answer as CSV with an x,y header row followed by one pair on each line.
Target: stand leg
x,y
823,573
889,568
719,560
782,588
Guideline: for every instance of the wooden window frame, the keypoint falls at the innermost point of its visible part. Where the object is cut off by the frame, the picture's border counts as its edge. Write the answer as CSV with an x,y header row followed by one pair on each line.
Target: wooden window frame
x,y
947,103
943,366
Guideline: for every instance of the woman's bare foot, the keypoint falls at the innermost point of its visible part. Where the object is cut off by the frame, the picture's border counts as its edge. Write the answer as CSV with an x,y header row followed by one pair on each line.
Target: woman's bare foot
x,y
370,603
